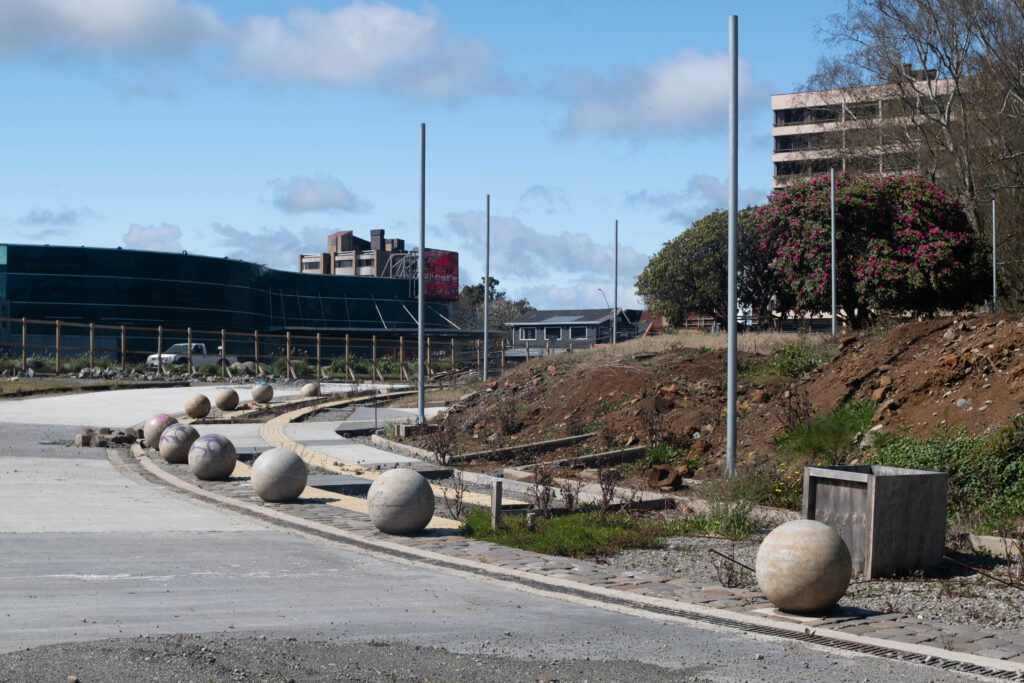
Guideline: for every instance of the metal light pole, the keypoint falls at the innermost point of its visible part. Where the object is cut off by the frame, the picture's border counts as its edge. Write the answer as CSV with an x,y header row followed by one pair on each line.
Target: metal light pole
x,y
730,448
487,280
422,310
993,255
615,292
606,304
832,189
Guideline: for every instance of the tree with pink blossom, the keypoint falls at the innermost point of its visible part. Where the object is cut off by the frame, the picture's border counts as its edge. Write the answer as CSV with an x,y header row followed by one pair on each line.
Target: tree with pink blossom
x,y
902,244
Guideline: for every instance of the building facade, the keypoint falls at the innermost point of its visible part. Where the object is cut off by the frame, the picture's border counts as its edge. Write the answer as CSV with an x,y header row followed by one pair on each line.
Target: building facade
x,y
578,328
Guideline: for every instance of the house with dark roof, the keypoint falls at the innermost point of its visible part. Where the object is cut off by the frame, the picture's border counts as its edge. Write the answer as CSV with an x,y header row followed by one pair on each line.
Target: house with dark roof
x,y
545,332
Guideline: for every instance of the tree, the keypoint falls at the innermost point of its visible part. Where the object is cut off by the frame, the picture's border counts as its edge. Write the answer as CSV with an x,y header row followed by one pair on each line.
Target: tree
x,y
690,273
902,244
469,309
948,81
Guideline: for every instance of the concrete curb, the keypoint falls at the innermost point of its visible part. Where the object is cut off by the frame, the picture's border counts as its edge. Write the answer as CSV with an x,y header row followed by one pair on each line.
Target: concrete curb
x,y
809,630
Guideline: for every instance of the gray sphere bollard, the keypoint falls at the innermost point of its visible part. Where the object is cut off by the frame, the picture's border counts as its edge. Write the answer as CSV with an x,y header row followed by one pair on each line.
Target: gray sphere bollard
x,y
400,502
803,566
176,441
197,405
279,475
262,392
226,399
212,457
310,390
155,427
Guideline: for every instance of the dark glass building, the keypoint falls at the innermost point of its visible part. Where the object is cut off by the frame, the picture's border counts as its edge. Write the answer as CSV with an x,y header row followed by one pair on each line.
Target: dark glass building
x,y
148,288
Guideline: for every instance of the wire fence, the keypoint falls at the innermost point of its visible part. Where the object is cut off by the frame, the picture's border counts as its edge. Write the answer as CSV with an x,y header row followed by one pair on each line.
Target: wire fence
x,y
63,346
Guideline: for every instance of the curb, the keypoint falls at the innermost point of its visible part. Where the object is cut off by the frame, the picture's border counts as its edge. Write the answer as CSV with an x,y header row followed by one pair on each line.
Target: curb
x,y
605,598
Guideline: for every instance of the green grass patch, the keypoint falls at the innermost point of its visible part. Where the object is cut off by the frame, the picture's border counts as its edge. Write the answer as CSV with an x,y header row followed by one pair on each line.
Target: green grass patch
x,y
986,473
830,437
788,362
658,454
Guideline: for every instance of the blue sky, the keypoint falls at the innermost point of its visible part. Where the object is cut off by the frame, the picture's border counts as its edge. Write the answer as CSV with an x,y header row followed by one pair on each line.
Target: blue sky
x,y
253,129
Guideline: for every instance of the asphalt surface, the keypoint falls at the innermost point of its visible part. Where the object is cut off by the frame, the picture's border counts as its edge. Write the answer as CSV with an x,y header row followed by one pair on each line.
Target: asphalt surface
x,y
108,578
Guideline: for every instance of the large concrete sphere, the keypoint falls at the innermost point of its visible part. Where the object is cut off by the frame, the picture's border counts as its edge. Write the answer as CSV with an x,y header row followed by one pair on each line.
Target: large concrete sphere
x,y
262,392
279,475
156,425
310,390
176,441
197,405
400,502
226,399
803,566
212,457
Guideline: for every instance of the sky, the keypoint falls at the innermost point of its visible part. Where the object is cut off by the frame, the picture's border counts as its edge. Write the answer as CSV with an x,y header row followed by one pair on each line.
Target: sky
x,y
254,128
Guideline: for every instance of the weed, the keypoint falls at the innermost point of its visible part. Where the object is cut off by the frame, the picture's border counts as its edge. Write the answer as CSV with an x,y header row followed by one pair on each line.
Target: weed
x,y
570,490
508,421
441,443
608,478
829,437
453,491
208,369
542,491
658,454
574,425
729,573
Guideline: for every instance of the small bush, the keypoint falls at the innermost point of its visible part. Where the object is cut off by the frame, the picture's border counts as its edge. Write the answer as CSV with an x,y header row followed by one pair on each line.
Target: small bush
x,y
788,362
208,369
829,437
658,454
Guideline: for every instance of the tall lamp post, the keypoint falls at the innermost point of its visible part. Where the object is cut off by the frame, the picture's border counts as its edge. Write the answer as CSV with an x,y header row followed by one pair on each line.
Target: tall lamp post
x,y
608,306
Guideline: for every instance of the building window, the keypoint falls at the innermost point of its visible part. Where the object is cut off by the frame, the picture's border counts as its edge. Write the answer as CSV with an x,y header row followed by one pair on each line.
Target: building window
x,y
527,333
552,333
366,261
578,332
345,263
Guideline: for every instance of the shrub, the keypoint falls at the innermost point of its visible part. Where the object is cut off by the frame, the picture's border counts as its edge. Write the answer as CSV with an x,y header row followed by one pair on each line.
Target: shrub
x,y
829,437
208,369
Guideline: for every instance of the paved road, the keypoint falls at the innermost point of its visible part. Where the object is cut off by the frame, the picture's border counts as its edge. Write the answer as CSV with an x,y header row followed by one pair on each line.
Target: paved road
x,y
88,553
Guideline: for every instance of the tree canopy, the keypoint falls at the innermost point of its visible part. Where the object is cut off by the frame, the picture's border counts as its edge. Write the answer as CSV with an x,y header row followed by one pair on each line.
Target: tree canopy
x,y
689,274
469,309
902,244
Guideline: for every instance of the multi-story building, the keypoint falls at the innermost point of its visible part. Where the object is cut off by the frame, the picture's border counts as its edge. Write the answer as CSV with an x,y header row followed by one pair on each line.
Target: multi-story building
x,y
350,255
846,129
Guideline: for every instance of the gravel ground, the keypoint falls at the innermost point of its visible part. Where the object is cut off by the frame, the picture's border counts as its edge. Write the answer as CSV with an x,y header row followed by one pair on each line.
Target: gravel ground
x,y
948,594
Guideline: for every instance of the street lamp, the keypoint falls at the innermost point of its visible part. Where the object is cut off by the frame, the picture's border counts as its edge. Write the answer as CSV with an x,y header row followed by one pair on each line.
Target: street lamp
x,y
609,307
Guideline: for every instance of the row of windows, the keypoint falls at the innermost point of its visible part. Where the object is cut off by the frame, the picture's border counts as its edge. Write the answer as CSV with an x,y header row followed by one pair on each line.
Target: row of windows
x,y
552,333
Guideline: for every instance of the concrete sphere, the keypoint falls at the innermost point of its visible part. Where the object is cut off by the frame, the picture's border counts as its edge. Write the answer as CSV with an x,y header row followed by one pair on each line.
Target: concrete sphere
x,y
226,399
310,390
156,425
400,502
197,405
212,457
262,392
803,566
176,441
279,475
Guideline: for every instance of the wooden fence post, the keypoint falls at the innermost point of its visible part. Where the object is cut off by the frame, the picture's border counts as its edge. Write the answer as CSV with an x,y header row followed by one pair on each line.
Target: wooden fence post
x,y
547,347
92,345
479,367
453,353
56,366
496,486
124,351
159,349
319,369
346,355
223,358
188,337
527,350
373,361
256,349
288,353
24,344
501,342
426,361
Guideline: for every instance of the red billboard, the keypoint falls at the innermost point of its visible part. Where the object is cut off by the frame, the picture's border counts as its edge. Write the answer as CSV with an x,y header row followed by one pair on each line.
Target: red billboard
x,y
441,274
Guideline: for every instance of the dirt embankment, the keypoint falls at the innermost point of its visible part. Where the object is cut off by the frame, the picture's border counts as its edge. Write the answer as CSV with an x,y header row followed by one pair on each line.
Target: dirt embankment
x,y
967,370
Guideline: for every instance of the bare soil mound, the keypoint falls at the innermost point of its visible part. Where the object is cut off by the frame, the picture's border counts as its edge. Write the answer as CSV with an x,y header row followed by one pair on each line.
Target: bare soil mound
x,y
967,370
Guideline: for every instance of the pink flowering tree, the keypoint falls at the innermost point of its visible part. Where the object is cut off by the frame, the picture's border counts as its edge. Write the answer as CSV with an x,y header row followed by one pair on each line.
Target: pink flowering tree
x,y
902,244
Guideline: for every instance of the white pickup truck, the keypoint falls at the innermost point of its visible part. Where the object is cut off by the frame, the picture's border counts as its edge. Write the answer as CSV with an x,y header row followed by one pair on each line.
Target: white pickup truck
x,y
178,353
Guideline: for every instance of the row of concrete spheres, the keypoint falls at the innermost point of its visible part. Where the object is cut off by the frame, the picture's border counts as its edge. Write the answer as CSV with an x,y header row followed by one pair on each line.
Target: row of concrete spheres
x,y
400,501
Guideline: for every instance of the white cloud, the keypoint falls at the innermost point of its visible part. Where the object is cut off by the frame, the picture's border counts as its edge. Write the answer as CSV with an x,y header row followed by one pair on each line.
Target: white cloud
x,y
277,248
300,194
686,96
163,237
549,198
702,195
581,294
51,217
362,44
105,27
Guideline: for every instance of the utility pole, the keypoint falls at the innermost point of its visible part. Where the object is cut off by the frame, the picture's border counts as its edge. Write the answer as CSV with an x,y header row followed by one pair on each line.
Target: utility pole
x,y
730,448
422,310
615,291
832,187
487,281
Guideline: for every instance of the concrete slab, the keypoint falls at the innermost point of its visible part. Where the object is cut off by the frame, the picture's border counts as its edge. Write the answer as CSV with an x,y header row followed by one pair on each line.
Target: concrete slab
x,y
120,409
340,483
365,418
322,437
245,437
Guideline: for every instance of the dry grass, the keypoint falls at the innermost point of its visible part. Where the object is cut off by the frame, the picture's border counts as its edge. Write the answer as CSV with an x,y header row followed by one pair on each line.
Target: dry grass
x,y
748,342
